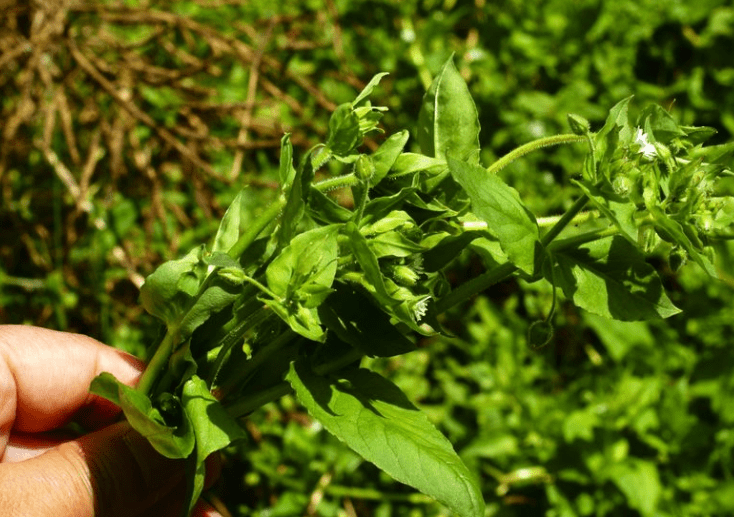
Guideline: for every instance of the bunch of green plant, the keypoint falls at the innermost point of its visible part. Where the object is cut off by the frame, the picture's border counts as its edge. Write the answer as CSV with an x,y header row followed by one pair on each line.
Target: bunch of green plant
x,y
292,300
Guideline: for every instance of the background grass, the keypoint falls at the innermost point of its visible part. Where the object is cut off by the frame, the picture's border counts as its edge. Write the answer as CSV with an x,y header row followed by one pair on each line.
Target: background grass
x,y
126,128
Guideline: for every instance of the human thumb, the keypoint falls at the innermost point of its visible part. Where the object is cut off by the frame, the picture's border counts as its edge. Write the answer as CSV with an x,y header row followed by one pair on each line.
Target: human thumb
x,y
112,472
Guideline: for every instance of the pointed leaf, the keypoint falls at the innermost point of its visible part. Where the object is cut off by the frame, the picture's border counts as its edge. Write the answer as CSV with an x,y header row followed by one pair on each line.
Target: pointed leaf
x,y
367,90
368,262
610,278
620,211
171,441
448,121
286,171
673,230
373,417
213,427
499,205
234,220
168,291
344,132
387,154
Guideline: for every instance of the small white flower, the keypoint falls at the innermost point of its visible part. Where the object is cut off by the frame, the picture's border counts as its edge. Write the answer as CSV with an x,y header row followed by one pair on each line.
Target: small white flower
x,y
646,148
420,308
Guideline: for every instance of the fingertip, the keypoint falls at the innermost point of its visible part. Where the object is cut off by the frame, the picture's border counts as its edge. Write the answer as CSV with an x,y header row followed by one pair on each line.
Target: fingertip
x,y
204,509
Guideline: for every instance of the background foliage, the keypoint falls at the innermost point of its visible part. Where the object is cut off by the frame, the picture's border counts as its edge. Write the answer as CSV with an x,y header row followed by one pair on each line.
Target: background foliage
x,y
127,128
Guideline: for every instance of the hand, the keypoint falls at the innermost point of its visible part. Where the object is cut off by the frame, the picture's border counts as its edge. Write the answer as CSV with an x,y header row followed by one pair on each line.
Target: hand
x,y
113,471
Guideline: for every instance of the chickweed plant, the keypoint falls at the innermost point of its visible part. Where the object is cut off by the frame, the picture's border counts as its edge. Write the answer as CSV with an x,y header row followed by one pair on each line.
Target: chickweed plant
x,y
291,301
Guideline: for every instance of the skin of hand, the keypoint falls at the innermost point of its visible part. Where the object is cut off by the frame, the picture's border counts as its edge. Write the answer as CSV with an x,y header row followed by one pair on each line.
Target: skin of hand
x,y
111,471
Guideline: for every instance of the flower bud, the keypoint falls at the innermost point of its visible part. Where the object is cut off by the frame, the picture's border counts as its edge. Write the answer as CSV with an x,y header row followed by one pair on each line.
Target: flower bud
x,y
579,125
404,275
622,185
364,169
677,258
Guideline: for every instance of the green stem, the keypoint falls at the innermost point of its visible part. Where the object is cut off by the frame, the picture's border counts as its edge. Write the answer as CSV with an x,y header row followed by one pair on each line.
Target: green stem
x,y
474,286
577,240
241,375
346,180
158,362
564,220
499,273
521,151
376,495
580,218
247,238
233,337
246,405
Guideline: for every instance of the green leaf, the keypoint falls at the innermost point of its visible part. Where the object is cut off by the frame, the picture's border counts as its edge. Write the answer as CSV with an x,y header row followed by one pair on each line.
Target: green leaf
x,y
301,275
499,205
663,125
408,164
447,121
235,219
355,320
610,278
286,171
344,132
617,127
168,291
380,207
639,481
367,90
387,154
673,230
373,417
292,190
447,249
213,427
310,258
219,293
368,262
619,210
322,208
171,441
393,244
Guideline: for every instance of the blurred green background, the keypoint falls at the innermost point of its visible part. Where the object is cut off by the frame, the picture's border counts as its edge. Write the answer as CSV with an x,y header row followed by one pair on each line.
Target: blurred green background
x,y
127,127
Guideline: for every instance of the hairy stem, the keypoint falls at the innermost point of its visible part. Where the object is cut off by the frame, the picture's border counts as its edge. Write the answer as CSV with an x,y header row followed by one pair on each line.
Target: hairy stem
x,y
528,148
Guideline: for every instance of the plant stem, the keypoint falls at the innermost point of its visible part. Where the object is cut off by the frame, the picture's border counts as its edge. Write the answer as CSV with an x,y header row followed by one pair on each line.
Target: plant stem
x,y
583,238
499,273
521,151
242,374
564,220
157,362
243,406
580,218
376,495
247,238
346,180
474,286
257,317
